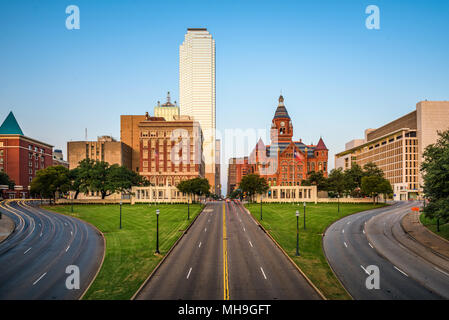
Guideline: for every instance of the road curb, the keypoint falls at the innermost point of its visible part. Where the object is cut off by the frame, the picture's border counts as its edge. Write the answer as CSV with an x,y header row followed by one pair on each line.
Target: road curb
x,y
288,257
11,231
166,255
433,233
104,249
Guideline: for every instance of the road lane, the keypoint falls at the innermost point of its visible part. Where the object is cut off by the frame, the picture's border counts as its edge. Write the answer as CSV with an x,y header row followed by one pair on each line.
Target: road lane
x,y
33,260
349,262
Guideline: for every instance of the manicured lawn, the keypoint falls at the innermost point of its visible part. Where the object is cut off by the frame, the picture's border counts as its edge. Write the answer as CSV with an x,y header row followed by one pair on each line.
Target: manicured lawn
x,y
130,251
432,225
280,221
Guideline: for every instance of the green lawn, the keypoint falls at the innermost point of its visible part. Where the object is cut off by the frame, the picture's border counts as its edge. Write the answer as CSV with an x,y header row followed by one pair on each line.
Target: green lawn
x,y
280,221
130,251
432,225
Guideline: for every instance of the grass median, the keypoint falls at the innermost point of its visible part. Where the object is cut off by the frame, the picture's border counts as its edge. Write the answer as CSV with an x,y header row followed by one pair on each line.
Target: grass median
x,y
280,221
130,251
431,224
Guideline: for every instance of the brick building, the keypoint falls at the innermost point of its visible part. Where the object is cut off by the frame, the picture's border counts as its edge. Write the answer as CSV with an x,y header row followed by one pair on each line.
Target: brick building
x,y
285,162
21,156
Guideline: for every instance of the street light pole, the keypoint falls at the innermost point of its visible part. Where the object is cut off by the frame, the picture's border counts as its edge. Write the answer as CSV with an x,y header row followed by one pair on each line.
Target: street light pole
x,y
188,207
304,215
72,202
157,231
120,214
297,233
338,197
261,207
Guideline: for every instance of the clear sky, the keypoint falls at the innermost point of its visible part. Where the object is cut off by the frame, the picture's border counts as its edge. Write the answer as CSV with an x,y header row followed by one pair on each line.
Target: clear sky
x,y
338,78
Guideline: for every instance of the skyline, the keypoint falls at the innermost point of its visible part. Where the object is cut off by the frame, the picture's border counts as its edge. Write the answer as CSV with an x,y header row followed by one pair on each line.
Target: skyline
x,y
122,61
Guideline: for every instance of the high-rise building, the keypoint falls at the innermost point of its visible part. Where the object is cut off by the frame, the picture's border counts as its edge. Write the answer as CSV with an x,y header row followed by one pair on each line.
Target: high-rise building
x,y
397,147
167,110
197,90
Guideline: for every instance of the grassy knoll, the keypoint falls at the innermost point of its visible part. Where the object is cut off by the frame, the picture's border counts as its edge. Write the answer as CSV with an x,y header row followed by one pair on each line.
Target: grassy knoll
x,y
432,225
130,251
280,221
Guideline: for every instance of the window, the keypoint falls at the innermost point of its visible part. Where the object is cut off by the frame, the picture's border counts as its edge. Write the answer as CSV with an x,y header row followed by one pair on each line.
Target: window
x,y
1,153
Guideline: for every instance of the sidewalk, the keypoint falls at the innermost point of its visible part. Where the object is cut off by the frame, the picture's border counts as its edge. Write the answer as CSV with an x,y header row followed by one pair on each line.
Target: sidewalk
x,y
411,224
6,227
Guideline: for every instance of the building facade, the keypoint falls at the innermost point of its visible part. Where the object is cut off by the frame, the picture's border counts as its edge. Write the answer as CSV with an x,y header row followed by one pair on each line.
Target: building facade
x,y
130,135
397,147
105,149
285,162
197,90
168,110
21,156
170,151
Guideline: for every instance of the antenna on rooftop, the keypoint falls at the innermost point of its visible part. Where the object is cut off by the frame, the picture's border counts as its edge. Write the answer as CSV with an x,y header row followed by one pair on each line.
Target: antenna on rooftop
x,y
86,134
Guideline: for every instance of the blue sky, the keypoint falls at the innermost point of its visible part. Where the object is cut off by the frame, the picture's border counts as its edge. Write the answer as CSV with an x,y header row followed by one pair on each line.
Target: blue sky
x,y
338,78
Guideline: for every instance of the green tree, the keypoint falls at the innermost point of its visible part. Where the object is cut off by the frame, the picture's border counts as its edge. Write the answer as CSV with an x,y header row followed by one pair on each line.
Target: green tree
x,y
336,181
371,169
353,178
6,180
375,185
253,184
435,169
50,181
80,176
316,179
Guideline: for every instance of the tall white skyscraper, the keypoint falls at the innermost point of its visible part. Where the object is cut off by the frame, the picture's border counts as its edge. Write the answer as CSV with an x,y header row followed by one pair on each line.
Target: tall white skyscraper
x,y
197,90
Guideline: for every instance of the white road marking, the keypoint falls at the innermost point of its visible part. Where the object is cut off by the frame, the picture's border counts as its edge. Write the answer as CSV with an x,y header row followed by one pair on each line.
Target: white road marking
x,y
438,269
71,233
345,244
205,229
244,229
188,275
343,231
365,270
263,273
363,231
250,243
370,245
349,222
67,249
27,250
199,246
40,235
65,223
39,278
401,271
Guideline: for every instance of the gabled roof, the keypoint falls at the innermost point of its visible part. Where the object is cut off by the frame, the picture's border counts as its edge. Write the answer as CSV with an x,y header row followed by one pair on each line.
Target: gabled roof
x,y
10,126
321,145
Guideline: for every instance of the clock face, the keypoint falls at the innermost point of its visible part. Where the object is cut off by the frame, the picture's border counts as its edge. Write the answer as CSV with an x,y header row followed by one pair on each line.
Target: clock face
x,y
282,124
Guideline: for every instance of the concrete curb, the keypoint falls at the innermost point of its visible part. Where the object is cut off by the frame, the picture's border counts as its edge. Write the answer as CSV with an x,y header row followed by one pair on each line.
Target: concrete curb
x,y
104,249
11,229
288,257
166,255
433,233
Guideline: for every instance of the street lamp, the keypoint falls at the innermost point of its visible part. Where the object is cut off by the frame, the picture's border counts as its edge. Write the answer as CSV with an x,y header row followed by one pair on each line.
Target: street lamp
x,y
157,231
297,233
304,215
120,214
338,198
261,207
72,202
188,207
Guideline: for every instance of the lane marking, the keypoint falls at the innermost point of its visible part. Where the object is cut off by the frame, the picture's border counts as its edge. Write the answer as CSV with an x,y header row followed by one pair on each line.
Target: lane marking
x,y
225,258
443,272
349,222
263,273
188,275
205,229
250,243
40,235
27,250
345,244
199,246
244,229
401,271
71,233
39,278
343,231
370,245
363,231
364,270
67,249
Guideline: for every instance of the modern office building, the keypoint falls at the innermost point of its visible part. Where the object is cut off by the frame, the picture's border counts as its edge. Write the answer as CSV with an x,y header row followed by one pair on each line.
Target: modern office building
x,y
170,151
21,156
397,147
105,149
197,90
167,110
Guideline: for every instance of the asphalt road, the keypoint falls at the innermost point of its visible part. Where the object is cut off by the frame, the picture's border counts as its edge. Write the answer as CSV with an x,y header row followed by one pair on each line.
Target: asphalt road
x,y
349,252
225,255
33,260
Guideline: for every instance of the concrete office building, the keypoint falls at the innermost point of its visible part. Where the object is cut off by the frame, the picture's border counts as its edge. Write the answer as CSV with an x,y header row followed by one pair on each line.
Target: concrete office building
x,y
105,149
397,147
167,110
197,91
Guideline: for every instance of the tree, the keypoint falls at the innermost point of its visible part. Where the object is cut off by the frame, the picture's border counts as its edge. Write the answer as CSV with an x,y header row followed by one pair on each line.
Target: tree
x,y
336,181
316,179
80,176
371,169
6,180
375,185
435,168
253,184
353,177
50,181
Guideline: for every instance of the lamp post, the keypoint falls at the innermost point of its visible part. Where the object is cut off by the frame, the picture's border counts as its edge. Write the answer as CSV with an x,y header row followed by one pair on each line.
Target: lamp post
x,y
297,233
157,231
338,198
72,202
188,207
261,207
304,215
120,214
